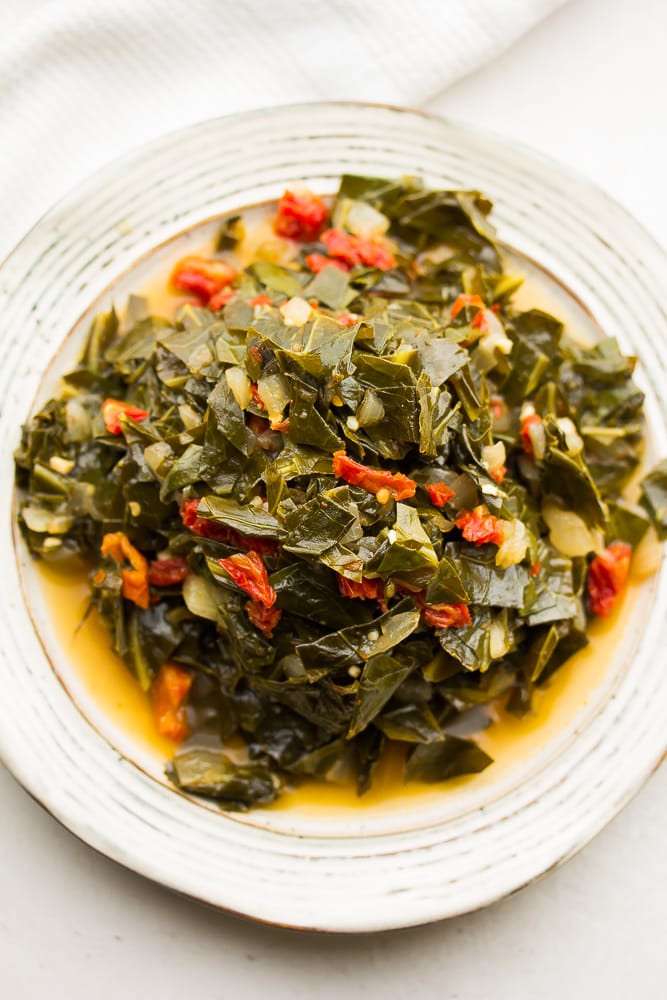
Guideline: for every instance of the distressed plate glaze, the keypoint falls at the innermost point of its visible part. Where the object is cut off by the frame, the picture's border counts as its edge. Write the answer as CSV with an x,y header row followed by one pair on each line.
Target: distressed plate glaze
x,y
382,868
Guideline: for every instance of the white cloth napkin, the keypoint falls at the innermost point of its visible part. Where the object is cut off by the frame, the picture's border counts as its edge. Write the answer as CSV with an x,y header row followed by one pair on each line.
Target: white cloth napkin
x,y
82,81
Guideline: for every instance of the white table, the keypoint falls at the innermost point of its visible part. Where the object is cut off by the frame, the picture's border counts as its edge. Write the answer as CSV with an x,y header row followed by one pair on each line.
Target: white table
x,y
587,86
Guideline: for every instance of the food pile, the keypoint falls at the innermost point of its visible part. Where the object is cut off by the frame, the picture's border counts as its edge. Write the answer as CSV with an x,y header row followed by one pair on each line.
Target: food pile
x,y
343,499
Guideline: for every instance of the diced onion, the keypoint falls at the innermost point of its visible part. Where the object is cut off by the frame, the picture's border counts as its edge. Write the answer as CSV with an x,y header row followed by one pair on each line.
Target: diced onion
x,y
199,597
274,392
296,311
61,465
573,441
498,640
514,545
77,419
45,521
567,531
492,343
538,439
493,456
240,385
360,218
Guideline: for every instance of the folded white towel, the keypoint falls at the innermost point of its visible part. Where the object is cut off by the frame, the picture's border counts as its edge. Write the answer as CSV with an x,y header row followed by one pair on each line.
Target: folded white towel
x,y
82,82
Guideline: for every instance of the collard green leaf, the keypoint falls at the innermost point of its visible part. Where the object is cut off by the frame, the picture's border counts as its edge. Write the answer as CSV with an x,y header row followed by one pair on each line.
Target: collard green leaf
x,y
212,773
352,645
244,518
433,762
654,497
380,678
410,724
476,646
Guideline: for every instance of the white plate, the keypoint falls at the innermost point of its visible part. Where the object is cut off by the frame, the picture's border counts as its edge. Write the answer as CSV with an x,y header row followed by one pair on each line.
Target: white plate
x,y
389,865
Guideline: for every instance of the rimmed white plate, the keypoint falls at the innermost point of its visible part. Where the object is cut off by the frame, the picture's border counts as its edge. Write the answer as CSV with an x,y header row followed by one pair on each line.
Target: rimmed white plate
x,y
426,857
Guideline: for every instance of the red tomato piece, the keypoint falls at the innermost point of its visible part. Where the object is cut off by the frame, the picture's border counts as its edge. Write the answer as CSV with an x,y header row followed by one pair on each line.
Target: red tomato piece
x,y
395,484
480,322
439,493
318,261
167,572
364,589
480,527
535,568
113,409
248,572
202,276
301,216
526,441
499,474
118,546
607,576
263,618
446,615
222,532
357,250
463,300
168,692
260,300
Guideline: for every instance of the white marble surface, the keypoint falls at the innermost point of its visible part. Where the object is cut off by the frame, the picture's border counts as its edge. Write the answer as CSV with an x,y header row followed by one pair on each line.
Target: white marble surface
x,y
587,86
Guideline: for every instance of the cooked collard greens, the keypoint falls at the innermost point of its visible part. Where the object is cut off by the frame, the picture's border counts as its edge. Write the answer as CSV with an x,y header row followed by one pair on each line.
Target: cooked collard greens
x,y
345,499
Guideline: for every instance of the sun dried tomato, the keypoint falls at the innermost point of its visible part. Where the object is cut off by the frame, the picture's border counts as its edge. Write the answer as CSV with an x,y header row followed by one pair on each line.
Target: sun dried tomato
x,y
262,617
301,216
222,532
480,322
530,420
135,581
260,300
202,276
113,409
357,250
168,692
364,589
480,527
535,568
463,300
375,481
446,615
439,493
167,572
498,473
316,262
248,572
607,576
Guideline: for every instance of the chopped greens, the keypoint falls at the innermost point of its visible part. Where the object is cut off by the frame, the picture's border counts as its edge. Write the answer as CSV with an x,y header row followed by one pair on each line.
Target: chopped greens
x,y
343,499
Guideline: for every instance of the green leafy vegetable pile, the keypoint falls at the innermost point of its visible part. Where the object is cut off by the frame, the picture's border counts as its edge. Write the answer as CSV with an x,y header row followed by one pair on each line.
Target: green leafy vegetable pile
x,y
344,500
